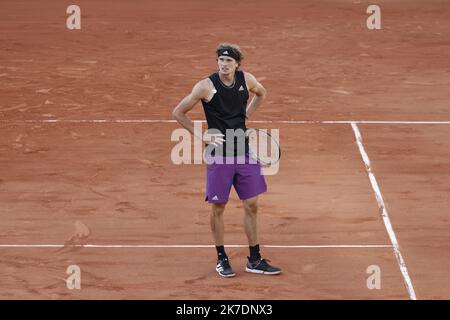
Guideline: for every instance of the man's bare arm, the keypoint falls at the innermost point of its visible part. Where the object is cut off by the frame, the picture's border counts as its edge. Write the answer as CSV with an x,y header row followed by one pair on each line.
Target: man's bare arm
x,y
199,92
257,88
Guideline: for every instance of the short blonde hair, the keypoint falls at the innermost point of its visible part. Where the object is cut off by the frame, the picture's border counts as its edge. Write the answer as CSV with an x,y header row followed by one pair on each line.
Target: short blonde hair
x,y
232,47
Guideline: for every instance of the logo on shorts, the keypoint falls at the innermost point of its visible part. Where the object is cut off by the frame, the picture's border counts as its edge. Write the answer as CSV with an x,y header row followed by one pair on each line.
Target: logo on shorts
x,y
215,198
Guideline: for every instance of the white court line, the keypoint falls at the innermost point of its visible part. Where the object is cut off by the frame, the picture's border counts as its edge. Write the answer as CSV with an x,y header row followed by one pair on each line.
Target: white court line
x,y
250,121
189,246
347,122
384,214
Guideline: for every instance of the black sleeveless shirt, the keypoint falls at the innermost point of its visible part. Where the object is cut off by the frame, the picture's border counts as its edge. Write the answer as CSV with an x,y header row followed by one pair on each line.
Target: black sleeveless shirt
x,y
227,110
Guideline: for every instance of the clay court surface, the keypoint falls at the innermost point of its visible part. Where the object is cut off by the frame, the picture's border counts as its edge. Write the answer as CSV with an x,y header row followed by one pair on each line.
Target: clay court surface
x,y
68,179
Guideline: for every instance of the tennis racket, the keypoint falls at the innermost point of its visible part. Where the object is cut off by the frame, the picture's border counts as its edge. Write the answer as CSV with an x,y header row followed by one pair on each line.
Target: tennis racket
x,y
264,147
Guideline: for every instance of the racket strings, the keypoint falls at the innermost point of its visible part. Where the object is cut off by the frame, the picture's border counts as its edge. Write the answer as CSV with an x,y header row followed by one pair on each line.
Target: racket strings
x,y
263,147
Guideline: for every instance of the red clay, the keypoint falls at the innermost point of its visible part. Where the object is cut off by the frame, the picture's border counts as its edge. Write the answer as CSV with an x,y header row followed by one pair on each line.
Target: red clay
x,y
136,60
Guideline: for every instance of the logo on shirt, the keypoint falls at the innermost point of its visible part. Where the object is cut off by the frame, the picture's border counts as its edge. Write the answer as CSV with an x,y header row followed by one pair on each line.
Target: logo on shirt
x,y
241,88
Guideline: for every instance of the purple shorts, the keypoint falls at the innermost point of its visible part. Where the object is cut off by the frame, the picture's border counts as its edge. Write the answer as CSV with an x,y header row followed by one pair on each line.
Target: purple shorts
x,y
247,179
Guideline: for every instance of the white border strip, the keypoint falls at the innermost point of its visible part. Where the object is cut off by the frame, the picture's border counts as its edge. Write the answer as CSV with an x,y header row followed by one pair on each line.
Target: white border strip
x,y
384,214
250,121
188,246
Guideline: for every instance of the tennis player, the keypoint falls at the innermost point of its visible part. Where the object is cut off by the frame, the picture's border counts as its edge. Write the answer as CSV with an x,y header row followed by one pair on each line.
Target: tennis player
x,y
224,96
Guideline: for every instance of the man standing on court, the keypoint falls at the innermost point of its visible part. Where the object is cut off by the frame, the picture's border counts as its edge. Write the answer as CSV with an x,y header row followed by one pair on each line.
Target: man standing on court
x,y
224,96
